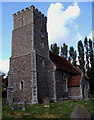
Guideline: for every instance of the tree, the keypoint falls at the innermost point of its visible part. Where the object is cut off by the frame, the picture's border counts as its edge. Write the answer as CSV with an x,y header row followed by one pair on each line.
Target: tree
x,y
91,69
72,55
69,59
91,52
81,56
55,48
86,54
4,79
64,50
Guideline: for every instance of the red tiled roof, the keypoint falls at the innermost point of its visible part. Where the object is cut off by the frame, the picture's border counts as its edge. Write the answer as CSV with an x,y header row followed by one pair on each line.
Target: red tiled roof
x,y
75,81
81,72
63,64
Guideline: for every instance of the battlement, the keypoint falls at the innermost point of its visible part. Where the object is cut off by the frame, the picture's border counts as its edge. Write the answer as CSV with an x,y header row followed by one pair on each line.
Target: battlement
x,y
32,8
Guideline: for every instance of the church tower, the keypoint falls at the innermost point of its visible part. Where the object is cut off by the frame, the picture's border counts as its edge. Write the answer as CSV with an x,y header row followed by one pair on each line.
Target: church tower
x,y
28,73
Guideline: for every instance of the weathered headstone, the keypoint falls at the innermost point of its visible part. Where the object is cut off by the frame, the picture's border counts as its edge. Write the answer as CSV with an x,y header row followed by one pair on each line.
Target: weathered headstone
x,y
80,112
24,105
46,102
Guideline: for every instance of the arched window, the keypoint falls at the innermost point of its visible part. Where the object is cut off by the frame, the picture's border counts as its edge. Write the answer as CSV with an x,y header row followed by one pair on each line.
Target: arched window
x,y
21,85
66,85
65,77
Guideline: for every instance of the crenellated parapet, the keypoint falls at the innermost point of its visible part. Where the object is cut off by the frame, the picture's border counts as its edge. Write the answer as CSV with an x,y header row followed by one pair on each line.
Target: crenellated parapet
x,y
28,16
24,11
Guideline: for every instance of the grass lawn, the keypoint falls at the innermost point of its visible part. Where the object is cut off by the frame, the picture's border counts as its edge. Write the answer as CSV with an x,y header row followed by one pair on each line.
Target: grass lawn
x,y
59,110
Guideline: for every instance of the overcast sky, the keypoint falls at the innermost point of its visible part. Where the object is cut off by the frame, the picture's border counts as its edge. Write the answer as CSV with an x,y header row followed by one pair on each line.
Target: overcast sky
x,y
67,22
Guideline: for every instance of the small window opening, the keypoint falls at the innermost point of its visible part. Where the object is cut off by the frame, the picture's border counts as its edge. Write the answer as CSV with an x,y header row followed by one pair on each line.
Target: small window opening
x,y
21,85
66,85
22,21
43,63
41,23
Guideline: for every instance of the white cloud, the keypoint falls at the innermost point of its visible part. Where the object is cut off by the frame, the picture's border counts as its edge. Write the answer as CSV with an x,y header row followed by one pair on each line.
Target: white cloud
x,y
91,35
61,25
4,65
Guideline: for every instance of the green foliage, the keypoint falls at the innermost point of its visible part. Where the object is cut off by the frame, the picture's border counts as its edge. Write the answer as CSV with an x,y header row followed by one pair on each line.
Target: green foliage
x,y
4,79
73,55
85,57
81,56
55,48
91,54
91,69
89,61
69,59
86,53
64,50
4,82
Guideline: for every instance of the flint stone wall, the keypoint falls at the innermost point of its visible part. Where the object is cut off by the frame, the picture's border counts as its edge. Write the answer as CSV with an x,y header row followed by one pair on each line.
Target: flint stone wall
x,y
52,82
22,41
42,77
75,92
59,83
21,67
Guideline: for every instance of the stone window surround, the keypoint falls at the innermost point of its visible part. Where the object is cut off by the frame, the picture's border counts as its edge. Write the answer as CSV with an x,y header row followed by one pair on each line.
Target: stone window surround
x,y
65,78
21,85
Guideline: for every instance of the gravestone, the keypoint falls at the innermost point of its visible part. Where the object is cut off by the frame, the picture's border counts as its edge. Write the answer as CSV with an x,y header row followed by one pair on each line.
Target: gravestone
x,y
46,102
80,112
24,105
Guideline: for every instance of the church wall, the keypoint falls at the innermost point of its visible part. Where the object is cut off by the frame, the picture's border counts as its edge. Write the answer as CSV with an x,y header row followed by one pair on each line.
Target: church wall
x,y
28,47
52,81
22,39
42,77
85,88
59,84
41,45
21,67
24,17
75,92
30,65
40,35
42,54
